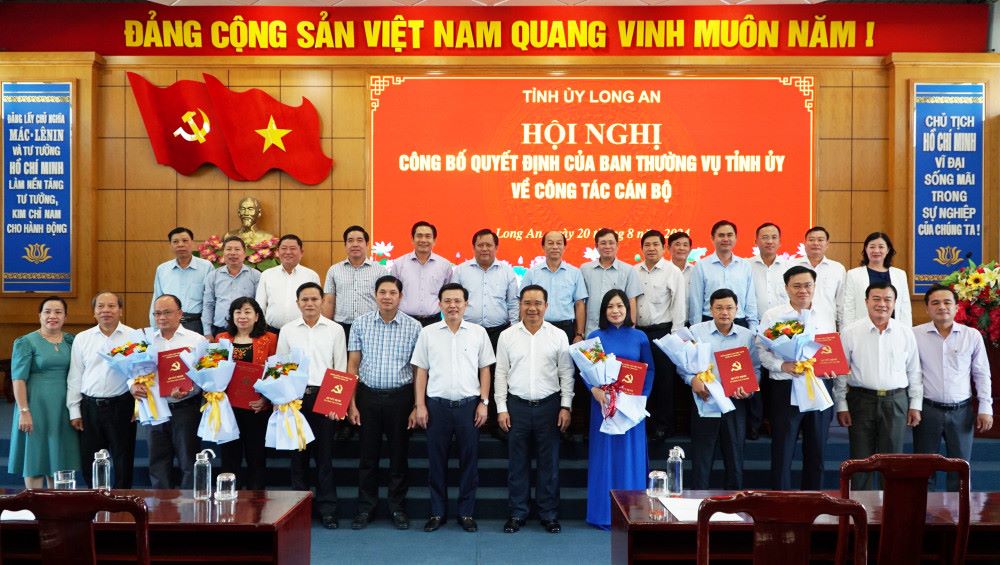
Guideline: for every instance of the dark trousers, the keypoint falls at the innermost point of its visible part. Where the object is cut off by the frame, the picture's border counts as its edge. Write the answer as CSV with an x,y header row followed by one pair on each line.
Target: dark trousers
x,y
491,409
383,412
955,423
321,451
193,322
347,330
216,330
250,445
786,422
533,423
177,437
757,403
878,425
448,419
580,416
729,433
427,320
107,424
660,403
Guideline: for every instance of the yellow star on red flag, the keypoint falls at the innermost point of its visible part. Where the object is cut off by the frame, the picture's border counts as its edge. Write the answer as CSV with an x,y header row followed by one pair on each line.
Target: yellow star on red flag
x,y
272,135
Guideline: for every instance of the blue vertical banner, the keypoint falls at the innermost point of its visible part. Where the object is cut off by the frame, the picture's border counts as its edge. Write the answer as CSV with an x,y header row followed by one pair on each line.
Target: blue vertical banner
x,y
947,179
37,186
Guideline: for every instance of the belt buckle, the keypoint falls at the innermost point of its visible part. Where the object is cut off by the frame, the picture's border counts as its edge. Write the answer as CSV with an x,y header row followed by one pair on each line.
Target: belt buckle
x,y
881,392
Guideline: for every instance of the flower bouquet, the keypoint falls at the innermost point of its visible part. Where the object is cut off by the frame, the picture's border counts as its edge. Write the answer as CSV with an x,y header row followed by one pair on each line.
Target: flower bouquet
x,y
135,361
260,256
978,292
284,384
695,359
598,368
789,340
210,366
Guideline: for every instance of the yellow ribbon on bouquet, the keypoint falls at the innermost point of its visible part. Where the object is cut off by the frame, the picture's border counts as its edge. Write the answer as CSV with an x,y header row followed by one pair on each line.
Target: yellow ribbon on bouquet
x,y
706,376
212,400
147,381
810,373
295,406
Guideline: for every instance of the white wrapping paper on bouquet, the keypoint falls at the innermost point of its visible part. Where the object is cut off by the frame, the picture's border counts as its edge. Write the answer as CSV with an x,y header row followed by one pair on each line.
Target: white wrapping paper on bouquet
x,y
601,370
218,423
694,358
808,391
287,428
140,367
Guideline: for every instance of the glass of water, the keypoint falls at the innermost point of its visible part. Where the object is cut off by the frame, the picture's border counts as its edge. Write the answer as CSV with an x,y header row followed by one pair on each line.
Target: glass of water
x,y
65,480
225,486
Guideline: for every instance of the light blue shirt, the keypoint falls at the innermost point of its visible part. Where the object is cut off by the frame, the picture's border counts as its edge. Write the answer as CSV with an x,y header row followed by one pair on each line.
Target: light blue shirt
x,y
386,349
708,332
221,288
187,284
710,275
599,281
493,297
565,287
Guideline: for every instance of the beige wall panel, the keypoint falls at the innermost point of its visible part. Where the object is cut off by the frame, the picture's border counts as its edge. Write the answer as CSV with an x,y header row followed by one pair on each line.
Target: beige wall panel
x,y
833,77
111,77
871,77
270,181
349,164
349,77
254,76
111,109
150,214
207,177
349,209
870,164
833,211
869,213
337,253
137,309
870,113
110,157
306,77
141,260
316,256
204,212
270,203
843,253
833,108
319,96
110,261
349,111
307,214
288,182
133,119
141,169
833,164
110,215
196,74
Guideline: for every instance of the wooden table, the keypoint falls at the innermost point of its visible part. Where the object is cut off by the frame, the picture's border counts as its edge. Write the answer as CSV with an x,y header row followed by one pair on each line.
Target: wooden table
x,y
643,531
257,527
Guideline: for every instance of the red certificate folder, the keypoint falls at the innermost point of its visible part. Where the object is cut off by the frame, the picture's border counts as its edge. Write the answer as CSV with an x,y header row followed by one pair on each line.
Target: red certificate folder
x,y
632,376
240,390
830,358
335,393
172,372
736,370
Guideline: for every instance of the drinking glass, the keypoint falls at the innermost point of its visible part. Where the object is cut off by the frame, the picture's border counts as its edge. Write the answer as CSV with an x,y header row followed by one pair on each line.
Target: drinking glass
x,y
65,480
225,486
657,485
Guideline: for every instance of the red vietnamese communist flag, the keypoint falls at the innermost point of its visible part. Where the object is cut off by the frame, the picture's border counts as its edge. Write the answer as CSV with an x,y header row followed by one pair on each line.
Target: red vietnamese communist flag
x,y
264,134
182,126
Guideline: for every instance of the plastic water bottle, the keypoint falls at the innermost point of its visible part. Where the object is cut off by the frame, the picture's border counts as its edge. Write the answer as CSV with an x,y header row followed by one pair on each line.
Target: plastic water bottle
x,y
101,470
203,475
675,472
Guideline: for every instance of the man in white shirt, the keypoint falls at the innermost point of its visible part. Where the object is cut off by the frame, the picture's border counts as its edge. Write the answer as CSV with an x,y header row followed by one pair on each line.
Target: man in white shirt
x,y
885,371
277,286
769,287
99,403
452,385
662,308
830,275
323,342
952,358
178,436
534,396
679,244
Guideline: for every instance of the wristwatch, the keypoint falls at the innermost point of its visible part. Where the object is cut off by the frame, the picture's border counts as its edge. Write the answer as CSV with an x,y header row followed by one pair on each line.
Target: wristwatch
x,y
25,410
485,401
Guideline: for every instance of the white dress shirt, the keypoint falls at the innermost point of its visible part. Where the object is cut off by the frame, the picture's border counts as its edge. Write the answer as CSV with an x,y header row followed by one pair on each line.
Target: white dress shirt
x,y
820,322
664,295
885,360
323,343
769,282
533,366
949,364
182,337
453,359
89,373
829,294
855,285
276,293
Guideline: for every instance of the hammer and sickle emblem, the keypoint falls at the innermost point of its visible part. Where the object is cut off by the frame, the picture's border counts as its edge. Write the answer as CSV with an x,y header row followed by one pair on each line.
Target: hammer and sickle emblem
x,y
627,379
737,366
338,389
175,366
827,350
197,134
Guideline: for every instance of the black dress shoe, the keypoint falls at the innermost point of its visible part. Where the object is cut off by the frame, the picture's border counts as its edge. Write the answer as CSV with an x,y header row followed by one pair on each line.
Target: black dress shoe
x,y
551,526
433,523
468,524
513,525
361,521
400,520
330,521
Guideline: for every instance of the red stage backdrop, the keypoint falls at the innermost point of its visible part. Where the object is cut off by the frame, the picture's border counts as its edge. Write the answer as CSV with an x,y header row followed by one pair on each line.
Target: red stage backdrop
x,y
525,155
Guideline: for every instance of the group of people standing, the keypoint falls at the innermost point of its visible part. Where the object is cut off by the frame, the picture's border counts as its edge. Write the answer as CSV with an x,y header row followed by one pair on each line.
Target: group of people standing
x,y
453,348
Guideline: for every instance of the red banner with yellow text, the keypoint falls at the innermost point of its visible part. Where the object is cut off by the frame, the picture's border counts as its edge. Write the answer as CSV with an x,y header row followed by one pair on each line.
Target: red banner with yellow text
x,y
822,29
523,156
